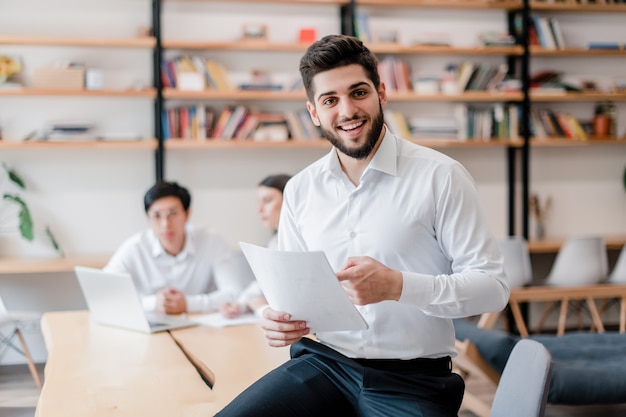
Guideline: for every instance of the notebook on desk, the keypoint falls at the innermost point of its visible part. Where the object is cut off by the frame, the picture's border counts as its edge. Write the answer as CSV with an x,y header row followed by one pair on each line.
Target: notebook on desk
x,y
113,300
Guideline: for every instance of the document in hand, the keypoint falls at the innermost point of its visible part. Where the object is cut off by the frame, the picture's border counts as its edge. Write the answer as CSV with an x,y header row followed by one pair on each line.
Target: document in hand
x,y
304,285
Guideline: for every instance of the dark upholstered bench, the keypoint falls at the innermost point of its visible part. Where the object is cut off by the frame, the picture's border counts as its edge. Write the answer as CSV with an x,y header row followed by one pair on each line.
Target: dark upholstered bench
x,y
588,368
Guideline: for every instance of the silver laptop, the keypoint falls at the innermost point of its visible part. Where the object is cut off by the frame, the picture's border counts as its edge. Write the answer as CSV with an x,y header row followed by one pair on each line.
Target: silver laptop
x,y
113,300
37,293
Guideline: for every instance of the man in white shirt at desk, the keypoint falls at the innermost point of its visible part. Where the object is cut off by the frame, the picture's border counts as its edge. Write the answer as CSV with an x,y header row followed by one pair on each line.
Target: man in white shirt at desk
x,y
404,227
176,267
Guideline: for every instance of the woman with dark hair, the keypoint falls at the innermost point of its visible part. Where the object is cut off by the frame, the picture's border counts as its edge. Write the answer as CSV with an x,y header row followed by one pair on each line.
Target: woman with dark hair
x,y
270,200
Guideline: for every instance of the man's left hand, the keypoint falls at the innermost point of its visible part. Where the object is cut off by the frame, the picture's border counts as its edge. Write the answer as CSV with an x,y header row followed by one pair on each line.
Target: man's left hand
x,y
367,281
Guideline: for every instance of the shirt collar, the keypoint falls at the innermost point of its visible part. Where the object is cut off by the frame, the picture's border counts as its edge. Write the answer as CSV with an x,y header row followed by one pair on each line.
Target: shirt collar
x,y
157,249
385,159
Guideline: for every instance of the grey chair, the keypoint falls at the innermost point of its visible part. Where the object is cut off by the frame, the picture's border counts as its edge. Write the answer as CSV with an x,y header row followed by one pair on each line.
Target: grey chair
x,y
581,261
616,277
518,270
7,341
524,383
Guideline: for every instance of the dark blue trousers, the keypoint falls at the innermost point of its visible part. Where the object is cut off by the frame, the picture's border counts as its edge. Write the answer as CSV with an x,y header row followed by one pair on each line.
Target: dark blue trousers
x,y
318,381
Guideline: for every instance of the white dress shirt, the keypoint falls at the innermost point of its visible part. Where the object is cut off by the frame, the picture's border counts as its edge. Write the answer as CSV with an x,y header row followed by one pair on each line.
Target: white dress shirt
x,y
201,270
416,211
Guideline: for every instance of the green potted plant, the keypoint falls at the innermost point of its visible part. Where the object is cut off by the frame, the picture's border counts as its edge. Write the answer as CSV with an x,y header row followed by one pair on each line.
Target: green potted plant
x,y
13,205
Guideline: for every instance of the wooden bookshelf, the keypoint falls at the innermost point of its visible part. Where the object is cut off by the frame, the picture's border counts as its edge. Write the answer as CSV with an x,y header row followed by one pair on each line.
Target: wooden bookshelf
x,y
321,2
30,92
241,144
171,93
396,48
562,142
536,50
321,143
145,42
470,143
235,46
538,96
576,7
454,4
468,96
95,144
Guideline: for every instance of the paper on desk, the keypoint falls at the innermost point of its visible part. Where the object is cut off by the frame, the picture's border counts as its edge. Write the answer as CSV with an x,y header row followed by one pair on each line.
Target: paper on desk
x,y
218,320
304,285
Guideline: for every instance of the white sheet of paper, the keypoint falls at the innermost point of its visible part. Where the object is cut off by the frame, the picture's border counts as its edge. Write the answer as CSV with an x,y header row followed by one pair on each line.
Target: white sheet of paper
x,y
304,285
218,320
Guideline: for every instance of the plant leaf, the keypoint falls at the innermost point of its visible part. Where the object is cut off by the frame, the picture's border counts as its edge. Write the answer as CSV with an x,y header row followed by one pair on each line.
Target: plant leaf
x,y
26,220
54,242
16,179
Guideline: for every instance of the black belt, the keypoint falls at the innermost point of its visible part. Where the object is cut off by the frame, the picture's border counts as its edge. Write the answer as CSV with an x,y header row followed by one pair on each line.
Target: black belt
x,y
425,365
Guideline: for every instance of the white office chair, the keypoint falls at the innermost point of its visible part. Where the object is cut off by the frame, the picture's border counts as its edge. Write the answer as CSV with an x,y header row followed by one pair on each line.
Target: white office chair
x,y
517,264
617,276
517,268
14,320
524,383
580,261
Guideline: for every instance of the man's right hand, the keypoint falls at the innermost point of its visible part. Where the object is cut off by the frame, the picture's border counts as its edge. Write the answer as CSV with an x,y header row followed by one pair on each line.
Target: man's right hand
x,y
280,330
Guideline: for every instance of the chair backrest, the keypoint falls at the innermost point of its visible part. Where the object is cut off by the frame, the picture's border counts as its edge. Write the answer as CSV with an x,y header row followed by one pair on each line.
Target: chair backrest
x,y
618,274
525,382
517,264
580,261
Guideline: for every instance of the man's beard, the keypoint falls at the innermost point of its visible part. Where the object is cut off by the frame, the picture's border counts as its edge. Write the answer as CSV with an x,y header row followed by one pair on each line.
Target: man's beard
x,y
366,149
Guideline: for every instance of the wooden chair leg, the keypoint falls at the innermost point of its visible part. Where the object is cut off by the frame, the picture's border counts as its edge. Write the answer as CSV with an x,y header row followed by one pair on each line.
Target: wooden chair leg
x,y
488,320
562,317
519,318
29,358
622,315
595,316
544,316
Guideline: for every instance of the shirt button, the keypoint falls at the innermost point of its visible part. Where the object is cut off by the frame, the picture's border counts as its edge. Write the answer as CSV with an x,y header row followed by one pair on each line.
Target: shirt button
x,y
352,235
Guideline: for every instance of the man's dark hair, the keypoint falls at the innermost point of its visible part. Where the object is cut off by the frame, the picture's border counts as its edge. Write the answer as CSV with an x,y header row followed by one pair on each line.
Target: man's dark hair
x,y
166,189
335,51
276,181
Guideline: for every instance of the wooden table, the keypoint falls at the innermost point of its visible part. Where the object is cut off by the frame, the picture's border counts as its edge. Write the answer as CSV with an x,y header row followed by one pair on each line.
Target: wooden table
x,y
47,265
587,293
95,370
552,245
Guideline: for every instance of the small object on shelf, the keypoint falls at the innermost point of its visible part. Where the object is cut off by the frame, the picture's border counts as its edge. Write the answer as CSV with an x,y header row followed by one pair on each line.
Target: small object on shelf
x,y
94,79
540,212
10,67
65,78
492,38
308,35
254,32
426,85
387,36
434,39
604,45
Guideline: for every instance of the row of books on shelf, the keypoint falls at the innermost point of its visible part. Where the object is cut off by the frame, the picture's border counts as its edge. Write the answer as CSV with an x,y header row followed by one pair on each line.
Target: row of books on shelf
x,y
236,122
498,122
546,32
197,73
366,35
194,72
546,123
457,78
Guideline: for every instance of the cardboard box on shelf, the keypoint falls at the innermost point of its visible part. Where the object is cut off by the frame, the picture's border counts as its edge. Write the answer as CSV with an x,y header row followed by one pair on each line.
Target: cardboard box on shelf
x,y
59,78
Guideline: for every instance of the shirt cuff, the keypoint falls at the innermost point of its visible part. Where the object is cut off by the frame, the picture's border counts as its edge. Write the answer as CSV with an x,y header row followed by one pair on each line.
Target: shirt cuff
x,y
149,302
259,310
417,289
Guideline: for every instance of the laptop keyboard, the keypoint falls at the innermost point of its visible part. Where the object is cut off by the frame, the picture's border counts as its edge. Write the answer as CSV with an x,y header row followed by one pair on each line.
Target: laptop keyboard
x,y
154,324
